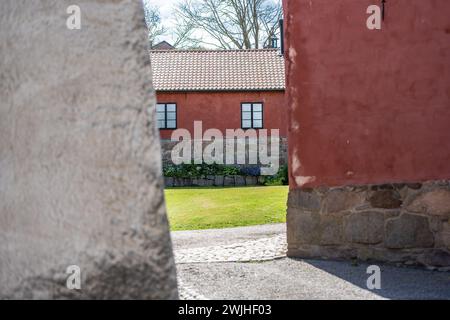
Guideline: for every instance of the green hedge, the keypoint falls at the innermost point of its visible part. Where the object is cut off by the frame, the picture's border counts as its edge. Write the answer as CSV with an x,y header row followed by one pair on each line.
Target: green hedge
x,y
280,179
199,170
203,170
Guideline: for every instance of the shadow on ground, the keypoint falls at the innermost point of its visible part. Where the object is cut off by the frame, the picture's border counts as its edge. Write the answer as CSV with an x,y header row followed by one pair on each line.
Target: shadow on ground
x,y
396,282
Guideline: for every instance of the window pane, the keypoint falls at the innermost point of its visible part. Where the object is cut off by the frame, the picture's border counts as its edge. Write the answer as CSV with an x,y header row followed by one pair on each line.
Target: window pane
x,y
171,116
160,107
160,116
246,116
161,124
246,124
247,107
171,124
257,124
257,107
171,107
257,115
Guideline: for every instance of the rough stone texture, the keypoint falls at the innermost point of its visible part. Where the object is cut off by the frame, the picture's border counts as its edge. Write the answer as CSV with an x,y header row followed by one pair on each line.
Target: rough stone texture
x,y
385,199
399,223
229,181
434,202
303,228
331,233
79,155
437,258
239,180
408,231
446,235
364,227
218,181
308,200
340,200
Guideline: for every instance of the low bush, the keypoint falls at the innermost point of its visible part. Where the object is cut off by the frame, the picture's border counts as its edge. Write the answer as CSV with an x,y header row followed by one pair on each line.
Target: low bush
x,y
204,170
280,179
199,170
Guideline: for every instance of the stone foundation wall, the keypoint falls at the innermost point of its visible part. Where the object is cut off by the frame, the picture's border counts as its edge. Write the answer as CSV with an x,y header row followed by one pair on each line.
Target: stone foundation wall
x,y
168,145
399,223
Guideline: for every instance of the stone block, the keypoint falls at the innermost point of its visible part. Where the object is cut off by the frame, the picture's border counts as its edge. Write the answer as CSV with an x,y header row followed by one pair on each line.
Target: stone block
x,y
408,231
386,199
239,181
338,200
436,202
218,181
207,183
228,181
331,230
364,227
435,258
251,181
179,182
446,235
303,227
308,200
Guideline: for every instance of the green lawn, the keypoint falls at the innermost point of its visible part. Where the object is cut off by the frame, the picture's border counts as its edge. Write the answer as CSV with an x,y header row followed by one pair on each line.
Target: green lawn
x,y
210,208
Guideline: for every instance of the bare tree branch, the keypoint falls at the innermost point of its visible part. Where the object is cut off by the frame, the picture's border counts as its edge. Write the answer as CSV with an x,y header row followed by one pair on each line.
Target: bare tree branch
x,y
230,24
153,20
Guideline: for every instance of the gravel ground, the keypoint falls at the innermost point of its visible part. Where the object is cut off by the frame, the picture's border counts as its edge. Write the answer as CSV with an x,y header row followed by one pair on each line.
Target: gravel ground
x,y
287,278
213,237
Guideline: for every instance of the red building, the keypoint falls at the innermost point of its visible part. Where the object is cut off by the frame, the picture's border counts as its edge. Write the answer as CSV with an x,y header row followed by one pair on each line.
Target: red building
x,y
225,89
369,129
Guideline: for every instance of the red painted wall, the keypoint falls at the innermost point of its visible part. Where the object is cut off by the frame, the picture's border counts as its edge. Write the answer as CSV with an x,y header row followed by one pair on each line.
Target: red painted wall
x,y
368,106
222,110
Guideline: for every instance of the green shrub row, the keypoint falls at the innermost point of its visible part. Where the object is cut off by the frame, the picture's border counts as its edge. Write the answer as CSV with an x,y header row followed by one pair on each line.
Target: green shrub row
x,y
280,179
199,170
204,170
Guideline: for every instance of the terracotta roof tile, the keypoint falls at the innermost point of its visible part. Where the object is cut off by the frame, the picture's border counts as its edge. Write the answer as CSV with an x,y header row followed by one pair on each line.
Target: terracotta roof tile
x,y
228,70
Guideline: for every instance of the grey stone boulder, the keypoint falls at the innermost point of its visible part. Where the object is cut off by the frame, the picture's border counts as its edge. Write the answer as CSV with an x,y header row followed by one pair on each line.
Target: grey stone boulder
x,y
80,164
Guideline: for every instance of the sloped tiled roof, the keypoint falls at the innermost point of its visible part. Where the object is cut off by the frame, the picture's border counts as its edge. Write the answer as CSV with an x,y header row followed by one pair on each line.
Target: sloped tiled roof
x,y
217,70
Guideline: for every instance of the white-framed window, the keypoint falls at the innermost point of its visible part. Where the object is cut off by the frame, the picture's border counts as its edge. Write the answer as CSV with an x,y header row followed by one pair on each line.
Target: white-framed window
x,y
166,114
252,115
